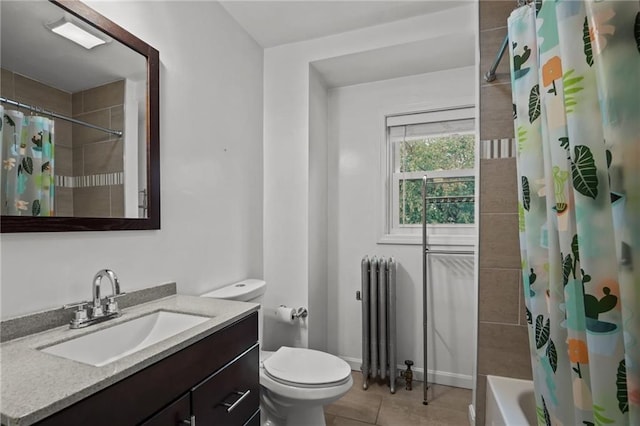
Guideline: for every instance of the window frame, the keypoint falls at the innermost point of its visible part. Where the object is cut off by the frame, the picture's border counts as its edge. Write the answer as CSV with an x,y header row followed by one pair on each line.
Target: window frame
x,y
459,235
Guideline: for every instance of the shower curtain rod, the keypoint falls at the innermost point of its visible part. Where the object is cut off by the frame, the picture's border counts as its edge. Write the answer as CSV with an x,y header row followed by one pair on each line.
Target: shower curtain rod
x,y
117,133
491,74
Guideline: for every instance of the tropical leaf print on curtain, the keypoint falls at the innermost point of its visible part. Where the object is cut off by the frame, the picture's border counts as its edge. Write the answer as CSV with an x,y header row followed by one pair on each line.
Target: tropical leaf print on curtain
x,y
584,172
570,88
621,383
522,137
534,103
526,195
577,107
636,31
586,38
542,331
552,355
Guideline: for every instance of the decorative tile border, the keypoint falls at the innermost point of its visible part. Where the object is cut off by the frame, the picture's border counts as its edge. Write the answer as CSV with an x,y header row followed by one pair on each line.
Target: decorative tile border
x,y
104,179
497,148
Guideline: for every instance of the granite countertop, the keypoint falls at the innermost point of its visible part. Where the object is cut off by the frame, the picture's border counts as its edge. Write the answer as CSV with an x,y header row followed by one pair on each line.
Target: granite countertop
x,y
35,384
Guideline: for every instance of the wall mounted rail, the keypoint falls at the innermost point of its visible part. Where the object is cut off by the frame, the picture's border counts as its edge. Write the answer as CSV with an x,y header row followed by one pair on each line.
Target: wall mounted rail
x,y
39,110
491,74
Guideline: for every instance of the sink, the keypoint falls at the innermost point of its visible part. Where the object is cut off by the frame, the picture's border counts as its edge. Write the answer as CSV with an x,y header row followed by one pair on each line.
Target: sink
x,y
110,344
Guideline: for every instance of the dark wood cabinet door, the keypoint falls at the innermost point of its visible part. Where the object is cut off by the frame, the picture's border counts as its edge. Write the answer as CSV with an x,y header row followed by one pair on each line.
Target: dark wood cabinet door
x,y
254,420
232,395
174,415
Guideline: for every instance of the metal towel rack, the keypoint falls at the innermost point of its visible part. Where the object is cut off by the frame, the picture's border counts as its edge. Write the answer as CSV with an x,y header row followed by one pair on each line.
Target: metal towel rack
x,y
426,251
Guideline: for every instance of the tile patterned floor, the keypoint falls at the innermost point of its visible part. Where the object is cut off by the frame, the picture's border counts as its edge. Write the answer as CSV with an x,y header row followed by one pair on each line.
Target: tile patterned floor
x,y
448,406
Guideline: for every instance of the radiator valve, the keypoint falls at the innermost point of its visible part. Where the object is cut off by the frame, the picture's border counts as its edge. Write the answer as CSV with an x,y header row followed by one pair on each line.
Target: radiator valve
x,y
407,374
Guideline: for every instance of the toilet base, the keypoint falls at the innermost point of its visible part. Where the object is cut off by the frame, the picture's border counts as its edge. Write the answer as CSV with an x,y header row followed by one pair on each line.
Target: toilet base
x,y
308,416
280,410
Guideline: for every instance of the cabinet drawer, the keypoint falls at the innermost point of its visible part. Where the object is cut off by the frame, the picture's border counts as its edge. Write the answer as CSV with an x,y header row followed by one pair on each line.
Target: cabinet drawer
x,y
232,395
173,415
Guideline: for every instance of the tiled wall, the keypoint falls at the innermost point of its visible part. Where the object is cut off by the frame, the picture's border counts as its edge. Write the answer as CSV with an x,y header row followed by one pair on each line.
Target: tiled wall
x,y
80,151
503,346
23,89
96,152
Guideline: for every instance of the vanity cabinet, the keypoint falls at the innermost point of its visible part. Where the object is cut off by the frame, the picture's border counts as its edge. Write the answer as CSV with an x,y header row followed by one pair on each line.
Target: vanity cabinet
x,y
175,414
215,380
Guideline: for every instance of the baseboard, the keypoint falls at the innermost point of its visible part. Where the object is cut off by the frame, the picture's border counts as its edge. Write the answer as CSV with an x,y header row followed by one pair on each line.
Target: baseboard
x,y
440,377
472,415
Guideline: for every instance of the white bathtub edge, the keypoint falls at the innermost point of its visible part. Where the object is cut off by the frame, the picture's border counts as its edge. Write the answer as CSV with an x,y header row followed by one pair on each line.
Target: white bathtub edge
x,y
509,401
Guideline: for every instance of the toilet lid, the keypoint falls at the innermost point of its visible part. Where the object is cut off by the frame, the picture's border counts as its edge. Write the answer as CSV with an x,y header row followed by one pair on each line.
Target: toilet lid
x,y
306,366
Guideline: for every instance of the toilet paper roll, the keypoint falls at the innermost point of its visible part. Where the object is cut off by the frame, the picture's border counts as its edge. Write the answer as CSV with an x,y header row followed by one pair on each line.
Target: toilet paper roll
x,y
285,314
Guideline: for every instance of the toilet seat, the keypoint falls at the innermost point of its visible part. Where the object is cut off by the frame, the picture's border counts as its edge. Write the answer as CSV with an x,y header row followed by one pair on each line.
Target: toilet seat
x,y
306,368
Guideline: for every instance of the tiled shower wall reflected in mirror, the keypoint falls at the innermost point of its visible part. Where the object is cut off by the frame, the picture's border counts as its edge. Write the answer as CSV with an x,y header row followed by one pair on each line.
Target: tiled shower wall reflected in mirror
x,y
98,156
88,163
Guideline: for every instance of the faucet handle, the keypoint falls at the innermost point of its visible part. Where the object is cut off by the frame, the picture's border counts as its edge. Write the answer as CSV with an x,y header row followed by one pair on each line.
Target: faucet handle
x,y
80,315
111,307
79,305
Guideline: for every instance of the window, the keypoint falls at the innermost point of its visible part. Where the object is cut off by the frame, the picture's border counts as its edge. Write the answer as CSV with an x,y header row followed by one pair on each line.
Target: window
x,y
441,146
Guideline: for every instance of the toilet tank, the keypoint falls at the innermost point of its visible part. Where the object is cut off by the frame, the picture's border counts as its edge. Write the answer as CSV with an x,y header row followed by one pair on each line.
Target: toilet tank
x,y
249,290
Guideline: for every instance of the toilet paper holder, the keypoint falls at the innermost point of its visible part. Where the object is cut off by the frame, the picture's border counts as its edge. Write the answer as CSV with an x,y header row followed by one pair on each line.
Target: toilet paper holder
x,y
301,312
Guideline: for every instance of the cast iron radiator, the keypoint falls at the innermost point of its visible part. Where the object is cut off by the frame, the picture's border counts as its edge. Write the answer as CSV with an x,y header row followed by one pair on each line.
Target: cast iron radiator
x,y
378,295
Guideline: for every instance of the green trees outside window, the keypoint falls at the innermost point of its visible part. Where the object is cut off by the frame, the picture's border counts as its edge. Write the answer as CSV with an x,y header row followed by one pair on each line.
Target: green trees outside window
x,y
431,154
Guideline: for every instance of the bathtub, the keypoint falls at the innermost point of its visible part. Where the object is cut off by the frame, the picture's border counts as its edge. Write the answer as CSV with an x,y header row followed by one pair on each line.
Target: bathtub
x,y
510,402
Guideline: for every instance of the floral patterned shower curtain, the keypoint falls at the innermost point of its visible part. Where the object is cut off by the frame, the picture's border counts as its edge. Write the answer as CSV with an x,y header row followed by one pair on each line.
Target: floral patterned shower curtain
x,y
575,73
27,164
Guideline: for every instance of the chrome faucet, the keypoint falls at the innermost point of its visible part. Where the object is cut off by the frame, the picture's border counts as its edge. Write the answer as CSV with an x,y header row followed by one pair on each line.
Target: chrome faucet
x,y
100,309
97,310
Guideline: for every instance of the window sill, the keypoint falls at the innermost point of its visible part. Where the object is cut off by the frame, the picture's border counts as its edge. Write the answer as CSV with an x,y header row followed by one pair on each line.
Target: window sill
x,y
434,240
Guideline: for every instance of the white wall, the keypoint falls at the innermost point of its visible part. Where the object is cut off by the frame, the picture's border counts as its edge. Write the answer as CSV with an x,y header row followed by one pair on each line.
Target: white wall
x,y
211,158
356,135
287,147
318,210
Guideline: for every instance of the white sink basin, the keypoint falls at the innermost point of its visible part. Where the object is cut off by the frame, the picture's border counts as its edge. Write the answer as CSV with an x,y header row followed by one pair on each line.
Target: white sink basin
x,y
112,343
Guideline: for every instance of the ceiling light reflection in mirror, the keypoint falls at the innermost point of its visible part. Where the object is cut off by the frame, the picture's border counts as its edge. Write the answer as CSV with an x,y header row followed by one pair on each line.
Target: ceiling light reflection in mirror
x,y
75,32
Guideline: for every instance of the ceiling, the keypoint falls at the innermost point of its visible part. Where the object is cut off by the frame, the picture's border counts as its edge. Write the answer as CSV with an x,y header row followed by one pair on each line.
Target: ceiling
x,y
272,23
403,60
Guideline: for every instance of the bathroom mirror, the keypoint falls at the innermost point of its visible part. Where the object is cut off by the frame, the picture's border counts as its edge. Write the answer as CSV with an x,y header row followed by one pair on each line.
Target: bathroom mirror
x,y
80,124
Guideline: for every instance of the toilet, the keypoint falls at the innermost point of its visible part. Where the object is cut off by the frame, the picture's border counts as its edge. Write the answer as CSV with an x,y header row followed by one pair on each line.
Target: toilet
x,y
295,383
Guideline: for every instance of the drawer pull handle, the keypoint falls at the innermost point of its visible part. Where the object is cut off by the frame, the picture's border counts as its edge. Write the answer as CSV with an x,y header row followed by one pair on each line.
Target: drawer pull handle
x,y
190,422
231,407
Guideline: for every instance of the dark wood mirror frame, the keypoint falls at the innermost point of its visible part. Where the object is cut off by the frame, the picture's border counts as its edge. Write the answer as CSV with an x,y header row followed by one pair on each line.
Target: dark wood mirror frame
x,y
152,221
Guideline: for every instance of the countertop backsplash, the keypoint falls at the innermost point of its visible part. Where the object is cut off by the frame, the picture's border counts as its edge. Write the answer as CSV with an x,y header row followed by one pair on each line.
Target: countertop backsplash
x,y
25,325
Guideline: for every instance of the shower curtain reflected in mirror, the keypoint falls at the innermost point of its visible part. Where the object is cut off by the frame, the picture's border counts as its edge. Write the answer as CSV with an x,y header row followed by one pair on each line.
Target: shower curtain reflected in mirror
x,y
575,73
27,185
